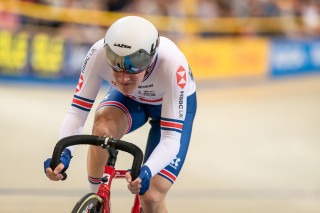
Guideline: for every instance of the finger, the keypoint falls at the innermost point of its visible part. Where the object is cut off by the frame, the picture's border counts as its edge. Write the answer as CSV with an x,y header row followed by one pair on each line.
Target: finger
x,y
48,171
136,182
133,190
58,177
128,177
58,169
134,186
52,176
55,177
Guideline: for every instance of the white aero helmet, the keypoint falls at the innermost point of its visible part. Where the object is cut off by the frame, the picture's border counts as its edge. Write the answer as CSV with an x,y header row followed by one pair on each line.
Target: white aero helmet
x,y
131,44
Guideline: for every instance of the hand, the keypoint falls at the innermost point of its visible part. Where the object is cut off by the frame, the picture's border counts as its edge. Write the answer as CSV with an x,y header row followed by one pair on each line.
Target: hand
x,y
56,174
142,183
53,175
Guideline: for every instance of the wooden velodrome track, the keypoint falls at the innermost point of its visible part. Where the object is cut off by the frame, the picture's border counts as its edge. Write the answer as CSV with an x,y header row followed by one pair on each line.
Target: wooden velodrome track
x,y
255,148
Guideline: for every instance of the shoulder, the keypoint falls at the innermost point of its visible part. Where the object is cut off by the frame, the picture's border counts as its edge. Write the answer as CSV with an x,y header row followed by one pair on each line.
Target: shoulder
x,y
97,47
95,59
169,51
96,51
170,56
165,40
168,46
99,44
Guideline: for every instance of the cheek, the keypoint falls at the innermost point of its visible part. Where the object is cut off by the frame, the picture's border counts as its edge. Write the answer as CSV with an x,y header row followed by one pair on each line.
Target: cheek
x,y
141,76
115,75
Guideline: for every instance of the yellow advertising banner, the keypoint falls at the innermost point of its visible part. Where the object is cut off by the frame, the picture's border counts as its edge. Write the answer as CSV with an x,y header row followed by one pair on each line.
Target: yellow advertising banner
x,y
226,57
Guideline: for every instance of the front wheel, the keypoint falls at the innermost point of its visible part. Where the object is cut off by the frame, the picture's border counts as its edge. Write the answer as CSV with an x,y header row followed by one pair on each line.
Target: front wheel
x,y
90,203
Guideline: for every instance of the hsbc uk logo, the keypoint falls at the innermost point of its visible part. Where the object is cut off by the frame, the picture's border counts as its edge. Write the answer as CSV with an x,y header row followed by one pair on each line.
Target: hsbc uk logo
x,y
181,77
80,83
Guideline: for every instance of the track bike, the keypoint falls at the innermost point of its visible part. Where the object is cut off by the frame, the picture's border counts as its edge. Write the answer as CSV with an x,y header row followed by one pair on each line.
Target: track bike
x,y
100,202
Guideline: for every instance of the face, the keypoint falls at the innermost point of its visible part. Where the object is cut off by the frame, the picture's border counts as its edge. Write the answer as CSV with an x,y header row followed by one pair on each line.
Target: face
x,y
128,82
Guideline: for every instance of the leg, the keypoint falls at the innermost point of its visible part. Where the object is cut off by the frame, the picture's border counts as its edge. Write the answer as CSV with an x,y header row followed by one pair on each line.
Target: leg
x,y
116,115
109,121
154,200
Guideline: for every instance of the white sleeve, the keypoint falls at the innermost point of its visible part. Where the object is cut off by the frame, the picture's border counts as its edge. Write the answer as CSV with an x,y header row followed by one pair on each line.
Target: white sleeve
x,y
173,113
163,154
85,93
72,125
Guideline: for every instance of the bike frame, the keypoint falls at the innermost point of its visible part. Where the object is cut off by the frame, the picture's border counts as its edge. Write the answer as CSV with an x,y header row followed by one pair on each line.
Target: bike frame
x,y
105,186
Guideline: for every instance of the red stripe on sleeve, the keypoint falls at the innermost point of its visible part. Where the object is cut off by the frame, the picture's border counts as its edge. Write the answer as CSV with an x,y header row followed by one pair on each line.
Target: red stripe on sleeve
x,y
165,172
82,103
170,124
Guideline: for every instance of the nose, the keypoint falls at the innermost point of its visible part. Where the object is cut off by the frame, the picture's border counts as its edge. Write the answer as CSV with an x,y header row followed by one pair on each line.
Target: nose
x,y
124,77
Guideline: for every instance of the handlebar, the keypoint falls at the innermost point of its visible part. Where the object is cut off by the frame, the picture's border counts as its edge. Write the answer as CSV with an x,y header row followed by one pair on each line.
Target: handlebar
x,y
104,142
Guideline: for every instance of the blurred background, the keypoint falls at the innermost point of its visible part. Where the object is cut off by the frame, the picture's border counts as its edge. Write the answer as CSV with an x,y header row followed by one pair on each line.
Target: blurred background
x,y
255,140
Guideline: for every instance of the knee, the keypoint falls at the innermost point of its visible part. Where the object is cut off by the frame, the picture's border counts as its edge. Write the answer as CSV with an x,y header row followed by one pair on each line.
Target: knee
x,y
100,127
152,200
106,124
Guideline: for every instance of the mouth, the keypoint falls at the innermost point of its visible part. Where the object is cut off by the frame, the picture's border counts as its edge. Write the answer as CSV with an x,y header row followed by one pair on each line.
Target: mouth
x,y
125,84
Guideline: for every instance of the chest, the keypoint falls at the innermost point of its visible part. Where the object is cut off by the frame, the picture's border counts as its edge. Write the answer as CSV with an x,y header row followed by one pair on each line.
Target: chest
x,y
148,93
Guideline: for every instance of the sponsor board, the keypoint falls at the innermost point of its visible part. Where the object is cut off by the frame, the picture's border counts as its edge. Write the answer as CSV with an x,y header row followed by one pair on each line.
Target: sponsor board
x,y
226,57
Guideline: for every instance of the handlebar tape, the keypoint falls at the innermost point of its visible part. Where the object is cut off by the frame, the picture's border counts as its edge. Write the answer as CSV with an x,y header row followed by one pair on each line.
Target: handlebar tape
x,y
135,152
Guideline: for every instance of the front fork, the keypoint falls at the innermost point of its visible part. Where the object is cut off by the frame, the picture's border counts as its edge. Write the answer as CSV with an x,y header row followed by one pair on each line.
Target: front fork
x,y
108,175
104,189
136,206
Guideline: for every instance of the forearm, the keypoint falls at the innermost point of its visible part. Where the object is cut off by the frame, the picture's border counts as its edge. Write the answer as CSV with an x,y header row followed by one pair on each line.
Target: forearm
x,y
163,154
72,125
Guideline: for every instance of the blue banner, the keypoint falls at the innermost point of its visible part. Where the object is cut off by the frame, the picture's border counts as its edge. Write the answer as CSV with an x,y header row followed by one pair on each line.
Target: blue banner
x,y
294,57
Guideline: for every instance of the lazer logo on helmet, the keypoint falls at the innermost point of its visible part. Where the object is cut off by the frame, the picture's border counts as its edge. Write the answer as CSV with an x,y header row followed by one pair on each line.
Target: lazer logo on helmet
x,y
122,45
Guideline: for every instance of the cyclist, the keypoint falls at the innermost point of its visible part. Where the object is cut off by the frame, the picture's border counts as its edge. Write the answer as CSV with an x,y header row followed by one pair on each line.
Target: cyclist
x,y
150,80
